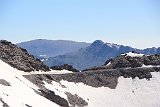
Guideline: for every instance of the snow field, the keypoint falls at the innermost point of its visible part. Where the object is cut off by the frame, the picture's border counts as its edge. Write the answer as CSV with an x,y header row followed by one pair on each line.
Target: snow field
x,y
128,93
21,91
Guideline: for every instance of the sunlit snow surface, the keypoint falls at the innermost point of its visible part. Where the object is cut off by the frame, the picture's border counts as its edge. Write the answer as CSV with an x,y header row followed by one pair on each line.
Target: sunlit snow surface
x,y
1,104
21,91
147,66
50,72
133,54
128,93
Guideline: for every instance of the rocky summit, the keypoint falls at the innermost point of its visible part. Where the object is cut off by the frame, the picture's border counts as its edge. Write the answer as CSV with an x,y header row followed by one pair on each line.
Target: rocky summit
x,y
19,58
126,60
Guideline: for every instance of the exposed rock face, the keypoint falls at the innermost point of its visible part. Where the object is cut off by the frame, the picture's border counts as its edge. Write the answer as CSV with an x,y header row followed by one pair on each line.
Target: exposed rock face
x,y
4,82
65,66
97,78
75,100
55,98
19,58
4,103
128,61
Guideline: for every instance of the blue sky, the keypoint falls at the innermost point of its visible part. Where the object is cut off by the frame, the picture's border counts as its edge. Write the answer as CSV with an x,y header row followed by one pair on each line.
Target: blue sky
x,y
129,22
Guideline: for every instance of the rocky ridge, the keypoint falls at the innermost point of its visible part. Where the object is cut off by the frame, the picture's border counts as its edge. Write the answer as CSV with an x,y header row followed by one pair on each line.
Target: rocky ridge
x,y
19,58
125,60
65,66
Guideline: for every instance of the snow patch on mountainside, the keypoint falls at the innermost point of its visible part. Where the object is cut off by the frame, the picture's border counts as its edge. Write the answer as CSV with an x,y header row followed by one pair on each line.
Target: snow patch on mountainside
x,y
49,72
57,88
109,63
148,66
113,45
133,54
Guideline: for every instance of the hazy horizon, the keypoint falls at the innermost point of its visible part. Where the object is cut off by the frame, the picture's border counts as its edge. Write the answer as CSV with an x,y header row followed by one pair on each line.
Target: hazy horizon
x,y
134,23
82,42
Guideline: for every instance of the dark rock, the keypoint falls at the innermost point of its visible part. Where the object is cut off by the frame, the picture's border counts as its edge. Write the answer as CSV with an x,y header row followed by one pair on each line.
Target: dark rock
x,y
75,100
124,61
151,60
138,72
4,82
65,66
4,103
19,58
49,77
110,60
27,105
54,98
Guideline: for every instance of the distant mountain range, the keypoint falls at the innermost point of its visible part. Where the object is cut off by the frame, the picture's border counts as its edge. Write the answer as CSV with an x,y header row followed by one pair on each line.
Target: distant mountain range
x,y
51,48
82,55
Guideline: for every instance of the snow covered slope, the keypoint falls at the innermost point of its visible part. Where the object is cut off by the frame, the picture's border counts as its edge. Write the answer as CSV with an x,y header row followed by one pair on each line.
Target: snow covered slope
x,y
128,93
16,91
96,89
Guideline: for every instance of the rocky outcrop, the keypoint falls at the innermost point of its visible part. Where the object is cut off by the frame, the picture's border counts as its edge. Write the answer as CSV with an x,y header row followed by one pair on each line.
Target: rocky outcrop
x,y
4,82
54,98
75,100
65,66
4,103
129,61
98,77
19,58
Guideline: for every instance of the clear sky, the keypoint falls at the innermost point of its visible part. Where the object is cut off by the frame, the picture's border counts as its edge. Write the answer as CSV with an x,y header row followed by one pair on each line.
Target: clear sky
x,y
129,22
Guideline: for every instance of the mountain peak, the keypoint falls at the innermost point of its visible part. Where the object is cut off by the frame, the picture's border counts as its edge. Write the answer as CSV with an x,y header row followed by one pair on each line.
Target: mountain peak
x,y
97,43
